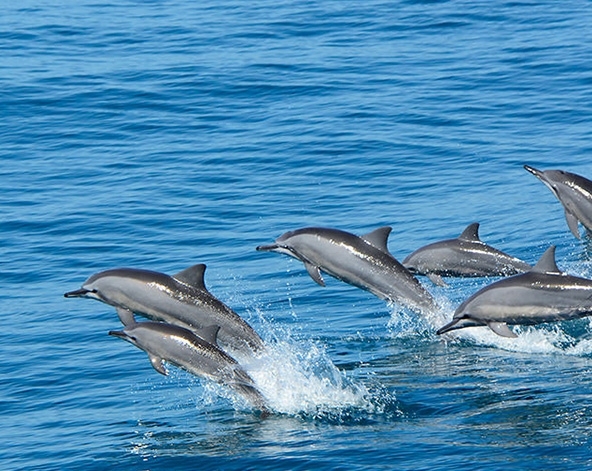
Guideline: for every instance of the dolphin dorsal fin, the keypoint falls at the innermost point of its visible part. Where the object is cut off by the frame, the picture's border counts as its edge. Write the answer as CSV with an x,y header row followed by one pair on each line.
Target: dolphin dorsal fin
x,y
209,334
379,238
471,233
193,276
546,263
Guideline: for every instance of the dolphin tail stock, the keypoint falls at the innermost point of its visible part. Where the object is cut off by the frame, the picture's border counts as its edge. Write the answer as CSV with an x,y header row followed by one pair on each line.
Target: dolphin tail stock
x,y
253,395
242,383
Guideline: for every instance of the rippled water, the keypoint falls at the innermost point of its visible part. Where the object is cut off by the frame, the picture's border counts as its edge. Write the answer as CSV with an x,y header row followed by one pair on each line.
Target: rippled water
x,y
166,133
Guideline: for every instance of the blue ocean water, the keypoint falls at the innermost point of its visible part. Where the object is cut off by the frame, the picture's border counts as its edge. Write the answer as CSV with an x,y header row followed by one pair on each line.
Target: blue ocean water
x,y
162,134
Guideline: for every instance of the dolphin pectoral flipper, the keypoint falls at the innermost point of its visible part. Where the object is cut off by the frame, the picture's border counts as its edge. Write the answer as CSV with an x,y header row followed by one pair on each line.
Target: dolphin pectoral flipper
x,y
437,279
158,364
502,329
572,223
314,272
125,316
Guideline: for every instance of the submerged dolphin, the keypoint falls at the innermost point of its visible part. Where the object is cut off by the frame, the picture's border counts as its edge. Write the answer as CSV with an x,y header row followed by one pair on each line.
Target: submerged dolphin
x,y
574,192
364,262
181,299
181,347
543,294
464,256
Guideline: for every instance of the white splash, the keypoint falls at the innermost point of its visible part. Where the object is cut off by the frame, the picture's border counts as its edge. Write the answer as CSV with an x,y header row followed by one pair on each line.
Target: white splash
x,y
531,339
300,378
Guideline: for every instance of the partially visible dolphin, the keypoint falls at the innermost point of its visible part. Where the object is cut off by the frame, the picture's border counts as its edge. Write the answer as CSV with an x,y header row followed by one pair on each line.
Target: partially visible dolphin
x,y
364,262
181,347
543,294
464,256
574,192
181,299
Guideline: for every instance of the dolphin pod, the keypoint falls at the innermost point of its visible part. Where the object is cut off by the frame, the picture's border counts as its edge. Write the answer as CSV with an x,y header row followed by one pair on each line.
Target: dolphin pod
x,y
187,320
181,299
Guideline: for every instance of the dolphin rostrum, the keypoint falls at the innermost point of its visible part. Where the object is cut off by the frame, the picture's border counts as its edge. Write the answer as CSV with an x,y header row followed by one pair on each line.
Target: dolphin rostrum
x,y
543,294
574,192
181,299
465,256
364,262
201,357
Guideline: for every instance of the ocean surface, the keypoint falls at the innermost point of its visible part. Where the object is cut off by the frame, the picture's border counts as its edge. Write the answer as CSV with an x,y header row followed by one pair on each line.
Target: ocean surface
x,y
161,134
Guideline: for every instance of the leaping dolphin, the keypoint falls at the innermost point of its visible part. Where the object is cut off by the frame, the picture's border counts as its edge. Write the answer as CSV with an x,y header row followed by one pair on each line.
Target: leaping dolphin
x,y
364,262
574,192
181,299
465,256
543,294
179,346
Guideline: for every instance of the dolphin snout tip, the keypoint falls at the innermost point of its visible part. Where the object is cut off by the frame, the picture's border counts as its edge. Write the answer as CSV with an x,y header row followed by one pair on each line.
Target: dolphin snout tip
x,y
76,293
266,248
118,333
533,170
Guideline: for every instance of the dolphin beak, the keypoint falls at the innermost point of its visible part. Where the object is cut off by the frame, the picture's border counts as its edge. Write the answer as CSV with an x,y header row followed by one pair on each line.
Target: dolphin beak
x,y
268,248
118,333
79,293
545,179
535,172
